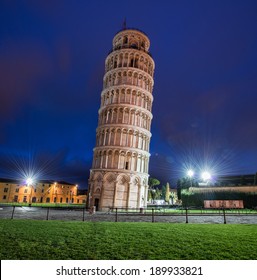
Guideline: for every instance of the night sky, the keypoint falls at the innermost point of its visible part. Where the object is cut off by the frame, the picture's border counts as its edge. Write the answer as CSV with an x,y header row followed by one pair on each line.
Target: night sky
x,y
51,71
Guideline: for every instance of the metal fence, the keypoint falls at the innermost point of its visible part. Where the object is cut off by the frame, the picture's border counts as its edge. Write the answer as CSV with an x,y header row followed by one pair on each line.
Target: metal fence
x,y
185,215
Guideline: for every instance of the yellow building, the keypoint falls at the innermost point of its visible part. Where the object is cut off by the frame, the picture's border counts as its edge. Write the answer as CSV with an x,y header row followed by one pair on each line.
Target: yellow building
x,y
43,191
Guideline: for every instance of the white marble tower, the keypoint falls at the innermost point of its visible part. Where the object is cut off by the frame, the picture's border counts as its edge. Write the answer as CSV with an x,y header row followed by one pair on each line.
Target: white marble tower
x,y
119,174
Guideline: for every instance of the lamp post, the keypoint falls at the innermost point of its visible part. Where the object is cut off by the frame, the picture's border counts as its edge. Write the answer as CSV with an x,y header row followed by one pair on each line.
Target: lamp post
x,y
190,174
29,183
206,176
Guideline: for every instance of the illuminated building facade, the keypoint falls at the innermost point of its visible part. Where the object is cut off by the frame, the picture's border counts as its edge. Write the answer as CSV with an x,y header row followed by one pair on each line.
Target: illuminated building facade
x,y
44,191
119,174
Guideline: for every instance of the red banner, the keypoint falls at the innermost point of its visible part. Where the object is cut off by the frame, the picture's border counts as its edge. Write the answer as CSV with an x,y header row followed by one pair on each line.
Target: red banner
x,y
223,204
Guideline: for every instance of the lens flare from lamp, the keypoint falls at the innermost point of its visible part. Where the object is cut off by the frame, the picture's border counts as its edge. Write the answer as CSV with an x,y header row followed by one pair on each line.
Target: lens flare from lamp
x,y
190,173
206,175
29,181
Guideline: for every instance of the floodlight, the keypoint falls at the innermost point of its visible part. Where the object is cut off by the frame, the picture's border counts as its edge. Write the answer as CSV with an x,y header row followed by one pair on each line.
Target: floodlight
x,y
29,181
190,173
206,175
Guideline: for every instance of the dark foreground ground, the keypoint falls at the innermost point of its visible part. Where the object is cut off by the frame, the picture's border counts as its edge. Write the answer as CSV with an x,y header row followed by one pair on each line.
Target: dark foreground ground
x,y
38,213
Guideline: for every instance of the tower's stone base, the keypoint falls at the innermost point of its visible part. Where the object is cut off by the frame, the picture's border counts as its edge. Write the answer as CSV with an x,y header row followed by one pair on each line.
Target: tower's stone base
x,y
110,189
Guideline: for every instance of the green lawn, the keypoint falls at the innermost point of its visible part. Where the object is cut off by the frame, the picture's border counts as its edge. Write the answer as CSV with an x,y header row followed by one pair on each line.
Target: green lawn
x,y
27,239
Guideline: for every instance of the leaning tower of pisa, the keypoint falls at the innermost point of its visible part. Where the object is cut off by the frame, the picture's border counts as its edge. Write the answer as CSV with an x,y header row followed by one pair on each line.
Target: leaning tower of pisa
x,y
119,174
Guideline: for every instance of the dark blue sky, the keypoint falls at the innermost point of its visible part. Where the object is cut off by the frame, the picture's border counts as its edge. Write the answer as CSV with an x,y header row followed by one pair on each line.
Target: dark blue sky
x,y
205,95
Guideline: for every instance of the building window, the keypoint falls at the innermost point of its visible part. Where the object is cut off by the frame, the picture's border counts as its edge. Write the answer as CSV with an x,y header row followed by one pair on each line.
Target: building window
x,y
42,190
126,165
5,189
26,190
136,63
55,199
25,198
47,199
61,200
67,200
15,199
77,200
17,190
4,197
35,190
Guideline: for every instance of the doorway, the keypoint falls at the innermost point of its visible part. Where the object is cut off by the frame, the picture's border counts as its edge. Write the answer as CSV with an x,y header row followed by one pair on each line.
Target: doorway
x,y
96,204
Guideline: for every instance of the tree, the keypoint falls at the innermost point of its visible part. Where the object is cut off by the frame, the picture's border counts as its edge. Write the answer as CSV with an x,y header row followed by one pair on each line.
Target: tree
x,y
242,180
255,179
179,187
172,196
153,182
184,184
167,194
158,194
152,195
163,192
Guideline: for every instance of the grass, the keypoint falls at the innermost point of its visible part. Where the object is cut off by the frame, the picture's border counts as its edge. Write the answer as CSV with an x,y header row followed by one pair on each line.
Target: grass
x,y
38,240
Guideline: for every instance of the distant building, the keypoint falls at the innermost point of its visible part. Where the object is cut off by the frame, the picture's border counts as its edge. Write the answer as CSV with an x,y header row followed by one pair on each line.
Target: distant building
x,y
239,183
43,191
229,189
225,189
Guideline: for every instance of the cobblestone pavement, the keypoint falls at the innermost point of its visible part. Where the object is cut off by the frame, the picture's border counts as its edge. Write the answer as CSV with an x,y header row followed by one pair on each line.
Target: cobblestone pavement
x,y
38,213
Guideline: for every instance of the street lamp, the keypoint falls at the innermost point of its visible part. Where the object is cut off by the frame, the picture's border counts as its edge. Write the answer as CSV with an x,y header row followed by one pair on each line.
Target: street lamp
x,y
190,174
206,176
29,182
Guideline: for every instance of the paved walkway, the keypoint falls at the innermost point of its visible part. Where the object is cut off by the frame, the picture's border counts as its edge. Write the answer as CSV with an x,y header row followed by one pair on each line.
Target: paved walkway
x,y
38,213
